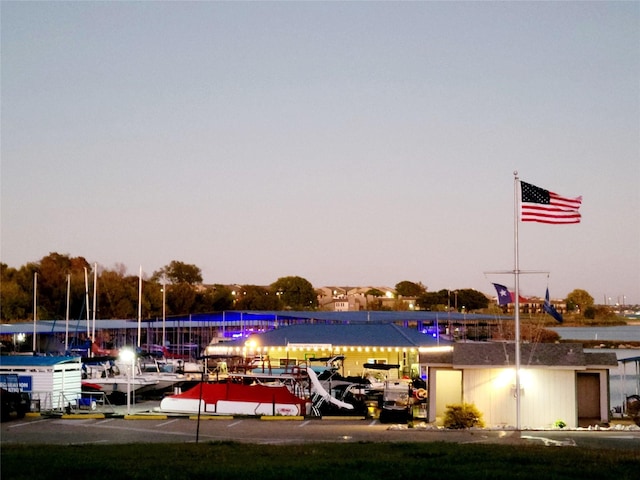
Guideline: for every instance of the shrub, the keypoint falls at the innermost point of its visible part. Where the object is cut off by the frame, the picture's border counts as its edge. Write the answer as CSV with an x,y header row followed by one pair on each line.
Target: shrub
x,y
560,424
463,415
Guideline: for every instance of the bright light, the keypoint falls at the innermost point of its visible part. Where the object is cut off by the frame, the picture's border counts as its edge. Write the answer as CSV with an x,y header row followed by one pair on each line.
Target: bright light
x,y
127,355
442,349
507,378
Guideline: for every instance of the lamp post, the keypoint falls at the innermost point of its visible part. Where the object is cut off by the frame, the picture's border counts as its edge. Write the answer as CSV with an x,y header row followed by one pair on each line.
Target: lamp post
x,y
164,312
127,356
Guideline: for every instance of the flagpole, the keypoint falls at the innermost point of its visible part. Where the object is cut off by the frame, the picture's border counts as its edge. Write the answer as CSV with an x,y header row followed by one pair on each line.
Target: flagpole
x,y
139,305
516,274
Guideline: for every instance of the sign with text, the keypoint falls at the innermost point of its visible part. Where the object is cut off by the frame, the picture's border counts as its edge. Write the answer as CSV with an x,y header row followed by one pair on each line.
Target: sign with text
x,y
16,383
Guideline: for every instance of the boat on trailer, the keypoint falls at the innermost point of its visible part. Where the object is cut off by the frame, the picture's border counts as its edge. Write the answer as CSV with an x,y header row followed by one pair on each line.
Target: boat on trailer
x,y
298,392
237,398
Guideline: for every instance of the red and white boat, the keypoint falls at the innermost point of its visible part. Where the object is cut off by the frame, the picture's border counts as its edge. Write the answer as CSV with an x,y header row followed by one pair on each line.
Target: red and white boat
x,y
237,399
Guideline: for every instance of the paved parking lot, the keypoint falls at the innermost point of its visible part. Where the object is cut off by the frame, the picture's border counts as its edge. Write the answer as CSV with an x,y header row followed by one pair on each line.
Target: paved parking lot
x,y
157,429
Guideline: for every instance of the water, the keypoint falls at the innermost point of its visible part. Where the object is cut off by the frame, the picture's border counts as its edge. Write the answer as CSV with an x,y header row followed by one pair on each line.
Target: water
x,y
623,333
622,381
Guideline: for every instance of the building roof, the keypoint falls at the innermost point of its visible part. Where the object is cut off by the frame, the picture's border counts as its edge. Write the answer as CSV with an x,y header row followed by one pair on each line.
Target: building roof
x,y
605,359
247,318
531,354
375,334
548,355
34,360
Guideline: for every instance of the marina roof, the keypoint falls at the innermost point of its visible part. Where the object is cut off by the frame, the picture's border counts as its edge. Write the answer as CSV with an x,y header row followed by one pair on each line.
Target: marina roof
x,y
34,360
246,318
381,335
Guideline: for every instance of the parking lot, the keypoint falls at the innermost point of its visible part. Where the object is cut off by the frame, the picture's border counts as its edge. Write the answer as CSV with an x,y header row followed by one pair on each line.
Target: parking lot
x,y
85,429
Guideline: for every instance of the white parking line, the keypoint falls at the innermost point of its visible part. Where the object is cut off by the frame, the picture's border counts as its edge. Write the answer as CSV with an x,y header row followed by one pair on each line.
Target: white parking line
x,y
25,423
304,423
234,424
106,420
167,423
373,423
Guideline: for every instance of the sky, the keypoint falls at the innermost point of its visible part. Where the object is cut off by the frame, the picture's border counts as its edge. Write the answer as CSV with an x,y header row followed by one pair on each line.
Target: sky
x,y
348,143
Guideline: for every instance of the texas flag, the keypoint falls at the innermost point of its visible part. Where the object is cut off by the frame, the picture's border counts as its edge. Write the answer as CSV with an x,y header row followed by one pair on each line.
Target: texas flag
x,y
505,296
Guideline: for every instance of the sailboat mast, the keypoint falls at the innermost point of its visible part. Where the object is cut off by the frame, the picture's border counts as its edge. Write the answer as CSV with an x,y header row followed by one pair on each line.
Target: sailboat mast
x,y
95,289
35,308
66,328
86,295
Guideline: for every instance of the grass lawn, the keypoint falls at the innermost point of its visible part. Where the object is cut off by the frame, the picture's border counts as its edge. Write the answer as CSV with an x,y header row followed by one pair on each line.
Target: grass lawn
x,y
325,461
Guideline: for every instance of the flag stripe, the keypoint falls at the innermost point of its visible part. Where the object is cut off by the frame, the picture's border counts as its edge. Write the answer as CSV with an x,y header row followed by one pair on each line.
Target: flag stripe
x,y
556,199
553,221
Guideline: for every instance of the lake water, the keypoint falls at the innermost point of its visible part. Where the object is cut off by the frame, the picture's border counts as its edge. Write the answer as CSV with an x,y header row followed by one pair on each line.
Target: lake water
x,y
622,333
623,380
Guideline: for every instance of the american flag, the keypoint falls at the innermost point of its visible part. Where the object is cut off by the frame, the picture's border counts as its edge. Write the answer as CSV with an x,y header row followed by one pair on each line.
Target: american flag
x,y
543,206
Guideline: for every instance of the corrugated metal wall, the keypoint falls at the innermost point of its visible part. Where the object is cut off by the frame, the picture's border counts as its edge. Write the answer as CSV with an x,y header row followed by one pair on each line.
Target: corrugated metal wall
x,y
548,395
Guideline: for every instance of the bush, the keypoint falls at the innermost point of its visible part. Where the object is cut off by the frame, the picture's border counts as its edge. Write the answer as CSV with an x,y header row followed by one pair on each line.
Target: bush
x,y
560,424
463,415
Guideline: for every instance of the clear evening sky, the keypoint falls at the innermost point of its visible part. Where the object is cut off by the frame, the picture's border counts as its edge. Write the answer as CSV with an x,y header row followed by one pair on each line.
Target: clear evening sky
x,y
349,143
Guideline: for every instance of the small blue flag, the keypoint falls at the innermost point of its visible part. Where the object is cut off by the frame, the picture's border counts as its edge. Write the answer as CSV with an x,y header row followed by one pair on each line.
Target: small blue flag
x,y
550,309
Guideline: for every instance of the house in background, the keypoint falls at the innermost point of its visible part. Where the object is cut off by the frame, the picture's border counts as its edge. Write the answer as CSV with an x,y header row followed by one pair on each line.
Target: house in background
x,y
346,299
558,382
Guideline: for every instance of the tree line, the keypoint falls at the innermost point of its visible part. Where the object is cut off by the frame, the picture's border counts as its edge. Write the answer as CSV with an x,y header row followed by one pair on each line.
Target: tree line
x,y
178,289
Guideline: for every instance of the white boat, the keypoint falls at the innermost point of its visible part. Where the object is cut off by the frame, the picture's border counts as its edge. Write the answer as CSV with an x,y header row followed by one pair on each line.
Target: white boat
x,y
106,376
165,374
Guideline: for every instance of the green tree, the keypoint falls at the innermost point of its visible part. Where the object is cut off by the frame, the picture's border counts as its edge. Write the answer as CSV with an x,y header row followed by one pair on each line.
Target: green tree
x,y
117,294
214,299
254,297
179,272
579,300
410,289
435,301
295,293
14,300
181,295
374,292
181,298
52,285
471,299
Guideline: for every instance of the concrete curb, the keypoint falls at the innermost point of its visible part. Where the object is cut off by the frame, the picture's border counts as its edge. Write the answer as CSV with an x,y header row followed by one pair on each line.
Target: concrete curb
x,y
82,416
344,417
145,417
281,417
211,417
